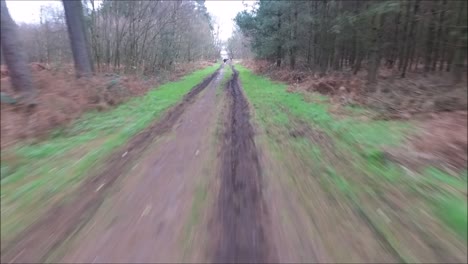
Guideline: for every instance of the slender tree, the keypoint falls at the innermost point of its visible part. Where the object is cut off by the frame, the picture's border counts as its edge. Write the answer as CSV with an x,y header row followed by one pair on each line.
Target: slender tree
x,y
461,43
430,38
15,57
78,38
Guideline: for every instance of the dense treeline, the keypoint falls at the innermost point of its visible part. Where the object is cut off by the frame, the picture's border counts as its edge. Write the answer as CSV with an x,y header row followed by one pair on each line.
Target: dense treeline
x,y
326,35
130,36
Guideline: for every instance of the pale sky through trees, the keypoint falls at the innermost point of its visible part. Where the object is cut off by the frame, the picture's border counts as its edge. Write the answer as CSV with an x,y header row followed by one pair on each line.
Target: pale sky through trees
x,y
223,12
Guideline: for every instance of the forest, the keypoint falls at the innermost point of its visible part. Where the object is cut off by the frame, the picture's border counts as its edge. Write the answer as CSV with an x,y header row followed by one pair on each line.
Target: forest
x,y
414,35
126,35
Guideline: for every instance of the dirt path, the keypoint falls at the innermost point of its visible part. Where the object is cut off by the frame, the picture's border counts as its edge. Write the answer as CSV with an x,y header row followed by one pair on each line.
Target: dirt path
x,y
147,216
145,206
136,199
144,220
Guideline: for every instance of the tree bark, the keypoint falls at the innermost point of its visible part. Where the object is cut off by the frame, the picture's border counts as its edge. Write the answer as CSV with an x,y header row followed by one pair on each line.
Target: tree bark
x,y
404,46
324,55
373,57
292,51
278,48
410,45
461,46
95,45
430,39
438,51
396,42
78,40
15,58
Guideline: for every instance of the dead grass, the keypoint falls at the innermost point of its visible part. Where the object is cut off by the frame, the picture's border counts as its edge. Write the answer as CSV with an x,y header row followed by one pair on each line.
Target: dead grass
x,y
62,98
441,141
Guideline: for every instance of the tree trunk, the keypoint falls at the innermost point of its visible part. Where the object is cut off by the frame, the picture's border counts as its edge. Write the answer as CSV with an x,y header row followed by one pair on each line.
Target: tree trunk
x,y
396,42
315,52
336,54
402,56
430,39
359,55
438,51
352,54
410,44
357,60
78,40
278,49
309,49
15,58
95,42
378,22
324,55
344,55
461,46
292,52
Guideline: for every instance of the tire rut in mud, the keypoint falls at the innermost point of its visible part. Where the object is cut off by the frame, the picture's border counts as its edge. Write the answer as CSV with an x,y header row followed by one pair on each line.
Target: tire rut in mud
x,y
39,240
241,212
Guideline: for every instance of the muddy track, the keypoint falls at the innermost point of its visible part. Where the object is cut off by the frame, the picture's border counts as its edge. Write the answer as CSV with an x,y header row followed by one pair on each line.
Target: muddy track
x,y
38,241
241,212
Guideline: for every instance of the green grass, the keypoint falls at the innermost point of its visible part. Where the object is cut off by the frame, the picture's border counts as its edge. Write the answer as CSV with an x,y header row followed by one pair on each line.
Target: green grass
x,y
270,99
198,205
453,212
47,172
362,171
340,182
437,177
199,198
227,76
446,198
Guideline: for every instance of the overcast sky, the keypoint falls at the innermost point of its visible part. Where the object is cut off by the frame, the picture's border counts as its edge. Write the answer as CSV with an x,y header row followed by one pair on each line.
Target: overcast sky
x,y
223,12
